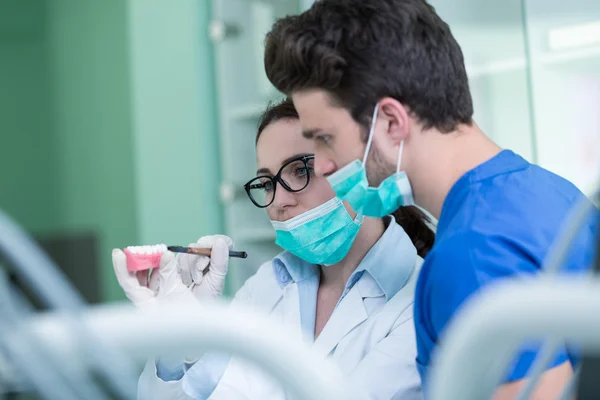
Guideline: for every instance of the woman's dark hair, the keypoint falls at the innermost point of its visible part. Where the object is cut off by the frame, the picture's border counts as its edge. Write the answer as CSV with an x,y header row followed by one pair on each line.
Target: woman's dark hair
x,y
415,224
276,111
411,219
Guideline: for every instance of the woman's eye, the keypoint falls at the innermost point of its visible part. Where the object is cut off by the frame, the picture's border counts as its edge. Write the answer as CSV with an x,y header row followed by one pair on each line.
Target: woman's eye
x,y
268,186
301,171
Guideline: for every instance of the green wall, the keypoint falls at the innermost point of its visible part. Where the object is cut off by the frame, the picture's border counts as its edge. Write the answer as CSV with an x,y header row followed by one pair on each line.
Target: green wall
x,y
175,129
28,153
89,72
107,121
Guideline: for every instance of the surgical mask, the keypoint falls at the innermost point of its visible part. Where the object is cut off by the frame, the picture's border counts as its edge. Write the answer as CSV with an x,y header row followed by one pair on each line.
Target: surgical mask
x,y
322,236
351,184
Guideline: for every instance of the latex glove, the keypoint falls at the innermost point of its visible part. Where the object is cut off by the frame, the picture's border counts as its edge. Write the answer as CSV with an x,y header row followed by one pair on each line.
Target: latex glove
x,y
211,283
165,283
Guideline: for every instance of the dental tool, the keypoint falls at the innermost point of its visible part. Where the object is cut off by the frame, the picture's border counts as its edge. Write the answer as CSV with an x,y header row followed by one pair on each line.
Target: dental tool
x,y
140,258
204,251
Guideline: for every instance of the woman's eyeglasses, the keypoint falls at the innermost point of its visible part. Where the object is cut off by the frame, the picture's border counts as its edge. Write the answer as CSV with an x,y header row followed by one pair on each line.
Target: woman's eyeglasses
x,y
293,176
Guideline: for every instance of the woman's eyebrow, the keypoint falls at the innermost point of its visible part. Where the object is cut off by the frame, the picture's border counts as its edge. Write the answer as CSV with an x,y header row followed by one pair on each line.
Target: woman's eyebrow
x,y
294,157
263,171
287,160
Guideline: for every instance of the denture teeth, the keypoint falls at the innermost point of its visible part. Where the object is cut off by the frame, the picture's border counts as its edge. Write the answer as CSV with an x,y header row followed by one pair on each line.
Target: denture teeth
x,y
147,249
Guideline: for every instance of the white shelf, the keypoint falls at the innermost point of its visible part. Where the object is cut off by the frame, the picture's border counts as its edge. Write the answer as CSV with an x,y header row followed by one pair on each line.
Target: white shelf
x,y
496,67
248,111
543,60
564,57
254,110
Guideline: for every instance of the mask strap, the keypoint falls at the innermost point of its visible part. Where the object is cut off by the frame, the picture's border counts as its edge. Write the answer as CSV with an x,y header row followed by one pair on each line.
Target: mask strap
x,y
399,156
371,131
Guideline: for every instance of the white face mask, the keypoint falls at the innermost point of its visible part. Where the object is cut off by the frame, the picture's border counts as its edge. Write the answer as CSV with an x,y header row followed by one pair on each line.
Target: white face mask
x,y
351,184
321,236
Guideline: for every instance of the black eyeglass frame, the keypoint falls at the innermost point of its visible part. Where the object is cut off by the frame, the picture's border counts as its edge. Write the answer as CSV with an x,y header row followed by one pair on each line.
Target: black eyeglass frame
x,y
277,178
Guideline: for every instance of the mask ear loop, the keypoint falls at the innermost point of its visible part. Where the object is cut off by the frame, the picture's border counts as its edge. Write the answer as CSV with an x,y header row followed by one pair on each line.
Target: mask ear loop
x,y
400,156
371,131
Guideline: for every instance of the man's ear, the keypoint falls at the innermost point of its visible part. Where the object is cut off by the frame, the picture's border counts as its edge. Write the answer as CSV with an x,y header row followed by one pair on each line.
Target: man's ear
x,y
397,120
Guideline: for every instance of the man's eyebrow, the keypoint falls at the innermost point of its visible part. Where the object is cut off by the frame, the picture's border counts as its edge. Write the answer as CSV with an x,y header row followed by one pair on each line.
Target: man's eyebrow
x,y
310,133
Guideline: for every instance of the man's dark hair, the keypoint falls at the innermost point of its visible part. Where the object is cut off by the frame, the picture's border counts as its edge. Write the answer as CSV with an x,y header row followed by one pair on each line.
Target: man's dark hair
x,y
411,219
360,51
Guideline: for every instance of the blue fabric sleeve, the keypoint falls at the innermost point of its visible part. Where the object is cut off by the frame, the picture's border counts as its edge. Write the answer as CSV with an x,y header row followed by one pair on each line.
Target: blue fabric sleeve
x,y
168,372
464,264
526,357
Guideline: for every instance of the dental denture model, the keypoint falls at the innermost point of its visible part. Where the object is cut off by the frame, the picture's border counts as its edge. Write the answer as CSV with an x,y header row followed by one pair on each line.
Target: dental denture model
x,y
140,258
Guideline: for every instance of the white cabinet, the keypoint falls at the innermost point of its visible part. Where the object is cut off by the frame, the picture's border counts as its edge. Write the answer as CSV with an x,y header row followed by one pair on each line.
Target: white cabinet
x,y
534,72
492,38
238,31
564,52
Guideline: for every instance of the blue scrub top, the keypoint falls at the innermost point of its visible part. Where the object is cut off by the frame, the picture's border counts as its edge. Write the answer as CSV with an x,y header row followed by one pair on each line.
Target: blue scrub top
x,y
498,221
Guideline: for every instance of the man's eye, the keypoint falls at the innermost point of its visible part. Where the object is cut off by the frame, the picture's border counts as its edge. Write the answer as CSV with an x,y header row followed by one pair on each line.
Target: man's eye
x,y
325,139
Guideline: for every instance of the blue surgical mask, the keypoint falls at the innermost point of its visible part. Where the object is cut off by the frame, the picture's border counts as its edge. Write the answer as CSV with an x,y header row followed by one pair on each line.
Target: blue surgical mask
x,y
322,236
351,184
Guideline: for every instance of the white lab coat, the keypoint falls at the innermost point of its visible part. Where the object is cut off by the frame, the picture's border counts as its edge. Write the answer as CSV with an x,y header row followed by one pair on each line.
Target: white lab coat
x,y
375,351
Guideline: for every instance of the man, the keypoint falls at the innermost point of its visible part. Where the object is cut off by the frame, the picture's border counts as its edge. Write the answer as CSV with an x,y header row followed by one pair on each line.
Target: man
x,y
386,79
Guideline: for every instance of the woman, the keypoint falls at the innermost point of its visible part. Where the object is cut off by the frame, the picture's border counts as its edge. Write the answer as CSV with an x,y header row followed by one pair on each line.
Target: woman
x,y
345,282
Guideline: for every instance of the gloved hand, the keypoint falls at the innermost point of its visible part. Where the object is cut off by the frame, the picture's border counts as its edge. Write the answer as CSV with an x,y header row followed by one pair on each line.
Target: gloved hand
x,y
164,284
191,267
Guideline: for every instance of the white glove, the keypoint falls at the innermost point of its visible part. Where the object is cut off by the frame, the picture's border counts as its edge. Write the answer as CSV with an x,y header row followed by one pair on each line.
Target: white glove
x,y
164,284
191,267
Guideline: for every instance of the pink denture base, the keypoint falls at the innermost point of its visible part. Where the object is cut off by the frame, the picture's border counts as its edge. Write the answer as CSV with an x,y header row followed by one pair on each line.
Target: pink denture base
x,y
141,262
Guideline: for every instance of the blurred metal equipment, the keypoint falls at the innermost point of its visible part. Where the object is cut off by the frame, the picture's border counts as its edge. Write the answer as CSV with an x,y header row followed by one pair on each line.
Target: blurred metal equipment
x,y
192,328
469,367
28,356
507,313
59,354
588,386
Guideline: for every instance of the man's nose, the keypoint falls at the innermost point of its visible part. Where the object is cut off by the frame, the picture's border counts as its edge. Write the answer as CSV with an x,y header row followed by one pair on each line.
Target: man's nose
x,y
324,166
